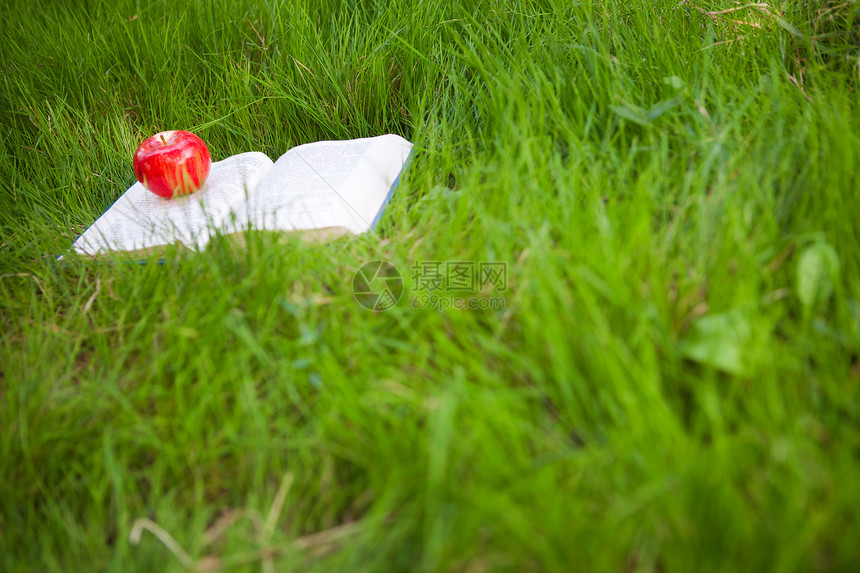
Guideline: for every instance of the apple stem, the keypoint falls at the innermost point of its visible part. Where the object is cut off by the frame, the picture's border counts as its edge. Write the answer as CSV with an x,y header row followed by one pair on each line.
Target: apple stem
x,y
164,141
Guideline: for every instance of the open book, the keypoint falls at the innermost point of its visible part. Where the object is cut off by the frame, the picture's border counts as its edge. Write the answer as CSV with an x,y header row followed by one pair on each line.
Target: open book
x,y
328,187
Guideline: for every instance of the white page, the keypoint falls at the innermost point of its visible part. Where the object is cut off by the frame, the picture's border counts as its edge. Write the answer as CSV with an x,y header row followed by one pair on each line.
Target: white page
x,y
328,184
140,219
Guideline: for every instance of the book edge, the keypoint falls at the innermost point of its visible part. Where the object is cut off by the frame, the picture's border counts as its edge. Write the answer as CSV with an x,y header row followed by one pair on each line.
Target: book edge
x,y
391,190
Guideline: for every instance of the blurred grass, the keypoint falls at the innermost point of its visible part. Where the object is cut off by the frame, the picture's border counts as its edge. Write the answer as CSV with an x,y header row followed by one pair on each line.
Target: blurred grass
x,y
672,386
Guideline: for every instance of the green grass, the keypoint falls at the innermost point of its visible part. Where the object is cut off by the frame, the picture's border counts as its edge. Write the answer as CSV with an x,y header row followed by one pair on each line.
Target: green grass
x,y
673,385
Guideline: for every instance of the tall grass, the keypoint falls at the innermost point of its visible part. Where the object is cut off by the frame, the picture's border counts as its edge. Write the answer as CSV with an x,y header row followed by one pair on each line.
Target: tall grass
x,y
672,385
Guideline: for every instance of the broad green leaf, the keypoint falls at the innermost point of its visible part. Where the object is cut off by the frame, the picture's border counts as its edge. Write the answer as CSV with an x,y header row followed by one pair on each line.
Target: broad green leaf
x,y
642,116
662,107
817,272
720,341
674,81
632,113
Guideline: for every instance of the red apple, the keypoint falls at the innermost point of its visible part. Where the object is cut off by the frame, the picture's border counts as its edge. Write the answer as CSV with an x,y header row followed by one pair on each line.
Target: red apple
x,y
172,163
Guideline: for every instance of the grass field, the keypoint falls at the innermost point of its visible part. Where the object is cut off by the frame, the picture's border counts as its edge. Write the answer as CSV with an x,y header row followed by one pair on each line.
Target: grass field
x,y
672,384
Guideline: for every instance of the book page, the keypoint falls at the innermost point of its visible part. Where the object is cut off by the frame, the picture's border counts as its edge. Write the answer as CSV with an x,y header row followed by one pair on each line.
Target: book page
x,y
140,219
328,184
